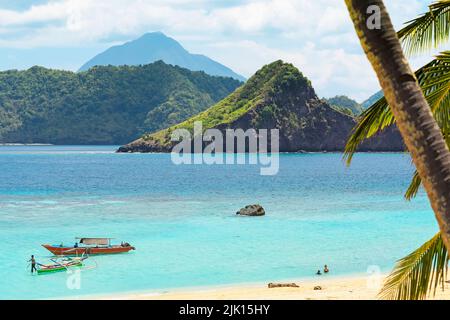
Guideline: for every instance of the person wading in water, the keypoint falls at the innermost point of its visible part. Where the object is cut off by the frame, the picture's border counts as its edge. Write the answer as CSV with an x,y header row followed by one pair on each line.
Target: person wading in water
x,y
33,264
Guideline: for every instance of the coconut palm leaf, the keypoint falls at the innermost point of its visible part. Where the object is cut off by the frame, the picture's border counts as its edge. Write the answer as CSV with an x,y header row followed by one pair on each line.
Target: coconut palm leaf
x,y
414,187
372,121
427,31
434,79
418,274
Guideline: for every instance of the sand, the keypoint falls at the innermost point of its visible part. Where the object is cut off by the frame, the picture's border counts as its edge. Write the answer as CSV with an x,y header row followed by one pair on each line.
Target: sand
x,y
332,288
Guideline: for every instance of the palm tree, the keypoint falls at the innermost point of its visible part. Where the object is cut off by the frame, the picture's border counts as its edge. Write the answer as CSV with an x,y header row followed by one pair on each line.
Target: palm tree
x,y
406,105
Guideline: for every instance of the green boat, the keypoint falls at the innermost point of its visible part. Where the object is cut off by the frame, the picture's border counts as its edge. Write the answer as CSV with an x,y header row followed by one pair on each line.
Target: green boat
x,y
57,266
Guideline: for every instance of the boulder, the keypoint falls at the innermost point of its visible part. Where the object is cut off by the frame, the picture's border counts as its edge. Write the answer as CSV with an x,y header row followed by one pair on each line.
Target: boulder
x,y
252,211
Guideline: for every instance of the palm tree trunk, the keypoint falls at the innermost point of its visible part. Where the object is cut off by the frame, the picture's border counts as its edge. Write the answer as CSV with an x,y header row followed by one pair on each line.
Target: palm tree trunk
x,y
415,121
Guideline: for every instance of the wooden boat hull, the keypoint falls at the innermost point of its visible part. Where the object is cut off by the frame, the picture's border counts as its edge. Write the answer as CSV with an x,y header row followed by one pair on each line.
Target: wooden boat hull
x,y
57,268
71,251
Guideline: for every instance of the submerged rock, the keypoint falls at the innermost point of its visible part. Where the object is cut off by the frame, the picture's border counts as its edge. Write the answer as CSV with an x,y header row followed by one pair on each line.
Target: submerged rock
x,y
252,211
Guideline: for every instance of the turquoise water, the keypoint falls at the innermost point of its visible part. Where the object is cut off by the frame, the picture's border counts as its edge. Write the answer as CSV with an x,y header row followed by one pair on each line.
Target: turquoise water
x,y
182,218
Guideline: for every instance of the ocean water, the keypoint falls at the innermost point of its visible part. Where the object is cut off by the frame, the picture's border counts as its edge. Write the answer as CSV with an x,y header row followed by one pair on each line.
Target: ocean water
x,y
182,219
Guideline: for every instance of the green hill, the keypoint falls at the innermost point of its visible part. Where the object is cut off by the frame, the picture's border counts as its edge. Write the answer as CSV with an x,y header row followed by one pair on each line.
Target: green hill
x,y
270,80
277,96
105,105
345,104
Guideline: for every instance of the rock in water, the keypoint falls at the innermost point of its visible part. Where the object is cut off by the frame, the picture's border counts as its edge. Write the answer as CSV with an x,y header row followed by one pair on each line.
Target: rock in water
x,y
252,211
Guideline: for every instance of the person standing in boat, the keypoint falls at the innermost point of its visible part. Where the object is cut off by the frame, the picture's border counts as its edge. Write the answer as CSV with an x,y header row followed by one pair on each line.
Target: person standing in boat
x,y
33,264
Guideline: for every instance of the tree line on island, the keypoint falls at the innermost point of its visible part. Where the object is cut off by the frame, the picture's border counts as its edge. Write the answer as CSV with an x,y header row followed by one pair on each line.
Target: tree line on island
x,y
105,105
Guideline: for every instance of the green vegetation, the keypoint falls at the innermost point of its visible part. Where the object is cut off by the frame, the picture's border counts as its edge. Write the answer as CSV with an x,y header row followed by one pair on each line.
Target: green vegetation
x,y
346,105
105,105
277,97
423,270
272,80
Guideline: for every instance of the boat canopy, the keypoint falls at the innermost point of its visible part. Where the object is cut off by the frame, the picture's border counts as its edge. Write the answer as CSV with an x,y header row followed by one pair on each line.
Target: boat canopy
x,y
95,241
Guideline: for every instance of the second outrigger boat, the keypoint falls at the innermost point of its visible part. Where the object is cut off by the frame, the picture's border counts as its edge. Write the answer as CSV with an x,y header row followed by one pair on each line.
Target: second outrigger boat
x,y
60,265
89,246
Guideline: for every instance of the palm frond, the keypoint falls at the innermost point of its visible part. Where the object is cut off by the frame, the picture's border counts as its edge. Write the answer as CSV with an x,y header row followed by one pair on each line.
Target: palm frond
x,y
429,30
371,121
434,79
419,274
414,187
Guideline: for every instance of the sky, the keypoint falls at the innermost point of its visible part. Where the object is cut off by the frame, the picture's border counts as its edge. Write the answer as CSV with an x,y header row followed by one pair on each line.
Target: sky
x,y
317,36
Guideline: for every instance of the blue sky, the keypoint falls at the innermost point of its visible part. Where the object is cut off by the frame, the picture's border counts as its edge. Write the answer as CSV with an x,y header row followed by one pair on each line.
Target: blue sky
x,y
315,35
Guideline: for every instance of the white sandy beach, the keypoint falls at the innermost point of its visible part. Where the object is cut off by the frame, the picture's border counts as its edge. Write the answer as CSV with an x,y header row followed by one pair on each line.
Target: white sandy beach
x,y
333,288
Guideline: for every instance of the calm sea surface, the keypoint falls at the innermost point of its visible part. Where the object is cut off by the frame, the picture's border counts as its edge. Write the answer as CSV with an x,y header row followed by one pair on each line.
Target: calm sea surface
x,y
182,218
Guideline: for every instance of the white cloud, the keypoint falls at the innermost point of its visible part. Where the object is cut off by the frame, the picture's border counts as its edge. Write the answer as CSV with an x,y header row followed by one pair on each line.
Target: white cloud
x,y
92,20
39,13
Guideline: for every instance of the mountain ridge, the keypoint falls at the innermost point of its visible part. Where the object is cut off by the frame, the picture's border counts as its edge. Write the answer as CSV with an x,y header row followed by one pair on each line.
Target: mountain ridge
x,y
156,46
372,99
280,97
345,104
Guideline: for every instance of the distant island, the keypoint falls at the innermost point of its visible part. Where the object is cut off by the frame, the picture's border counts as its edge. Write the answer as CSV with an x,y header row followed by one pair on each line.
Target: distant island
x,y
345,104
277,96
156,46
372,99
105,105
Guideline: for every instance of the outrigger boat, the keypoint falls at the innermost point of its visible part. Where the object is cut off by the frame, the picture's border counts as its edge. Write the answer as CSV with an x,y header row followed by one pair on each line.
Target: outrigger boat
x,y
60,266
90,246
